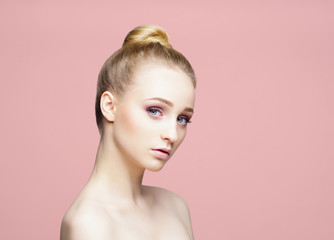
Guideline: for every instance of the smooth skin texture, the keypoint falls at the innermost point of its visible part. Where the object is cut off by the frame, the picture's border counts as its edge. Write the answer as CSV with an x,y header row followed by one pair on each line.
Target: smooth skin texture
x,y
152,114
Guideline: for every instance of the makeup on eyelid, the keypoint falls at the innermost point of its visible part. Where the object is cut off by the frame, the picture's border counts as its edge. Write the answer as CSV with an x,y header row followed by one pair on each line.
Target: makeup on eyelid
x,y
168,103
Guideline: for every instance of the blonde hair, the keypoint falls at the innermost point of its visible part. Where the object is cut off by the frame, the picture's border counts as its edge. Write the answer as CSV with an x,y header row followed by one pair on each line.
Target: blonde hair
x,y
144,43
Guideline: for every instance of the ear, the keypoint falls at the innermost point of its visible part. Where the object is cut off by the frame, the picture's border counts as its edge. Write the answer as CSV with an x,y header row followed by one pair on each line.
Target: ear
x,y
108,106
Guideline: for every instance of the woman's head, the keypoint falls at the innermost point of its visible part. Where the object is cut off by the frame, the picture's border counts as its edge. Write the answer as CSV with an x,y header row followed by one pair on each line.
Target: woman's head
x,y
144,44
149,122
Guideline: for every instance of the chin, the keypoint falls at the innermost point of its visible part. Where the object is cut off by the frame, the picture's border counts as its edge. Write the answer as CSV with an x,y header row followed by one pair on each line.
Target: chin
x,y
156,166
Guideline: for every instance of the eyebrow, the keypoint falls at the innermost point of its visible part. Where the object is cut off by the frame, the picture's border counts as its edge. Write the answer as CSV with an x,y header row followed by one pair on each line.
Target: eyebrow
x,y
169,103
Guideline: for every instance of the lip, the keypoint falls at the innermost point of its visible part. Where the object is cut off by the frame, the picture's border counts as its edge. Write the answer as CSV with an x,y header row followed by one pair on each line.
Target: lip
x,y
161,153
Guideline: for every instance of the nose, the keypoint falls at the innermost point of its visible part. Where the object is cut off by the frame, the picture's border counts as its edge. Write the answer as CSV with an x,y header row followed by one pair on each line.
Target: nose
x,y
170,133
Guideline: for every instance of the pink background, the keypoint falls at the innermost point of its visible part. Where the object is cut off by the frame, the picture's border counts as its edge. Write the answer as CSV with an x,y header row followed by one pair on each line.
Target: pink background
x,y
258,159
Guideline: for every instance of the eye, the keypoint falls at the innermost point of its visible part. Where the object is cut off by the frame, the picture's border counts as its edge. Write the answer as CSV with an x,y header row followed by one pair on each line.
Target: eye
x,y
183,120
154,111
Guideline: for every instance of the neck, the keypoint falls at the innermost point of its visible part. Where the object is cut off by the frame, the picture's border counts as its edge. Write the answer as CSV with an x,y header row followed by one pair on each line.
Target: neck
x,y
114,174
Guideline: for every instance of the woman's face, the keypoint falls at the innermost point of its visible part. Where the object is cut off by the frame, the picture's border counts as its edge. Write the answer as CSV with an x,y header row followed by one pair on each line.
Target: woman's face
x,y
151,118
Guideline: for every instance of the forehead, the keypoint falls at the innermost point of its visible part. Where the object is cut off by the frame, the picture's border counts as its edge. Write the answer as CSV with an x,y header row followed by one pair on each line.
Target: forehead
x,y
154,80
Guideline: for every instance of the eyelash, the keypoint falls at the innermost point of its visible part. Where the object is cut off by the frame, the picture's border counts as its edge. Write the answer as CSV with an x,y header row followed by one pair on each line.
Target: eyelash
x,y
159,110
150,109
186,119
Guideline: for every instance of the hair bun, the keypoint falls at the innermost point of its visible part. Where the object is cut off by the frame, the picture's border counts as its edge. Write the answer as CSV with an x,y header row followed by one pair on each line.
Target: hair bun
x,y
147,34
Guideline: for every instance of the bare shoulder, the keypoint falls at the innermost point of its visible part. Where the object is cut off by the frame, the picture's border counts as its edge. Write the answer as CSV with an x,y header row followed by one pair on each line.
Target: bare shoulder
x,y
85,221
173,202
170,198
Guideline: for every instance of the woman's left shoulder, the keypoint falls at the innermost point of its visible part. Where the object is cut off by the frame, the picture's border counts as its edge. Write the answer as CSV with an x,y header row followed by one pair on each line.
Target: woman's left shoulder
x,y
169,199
173,204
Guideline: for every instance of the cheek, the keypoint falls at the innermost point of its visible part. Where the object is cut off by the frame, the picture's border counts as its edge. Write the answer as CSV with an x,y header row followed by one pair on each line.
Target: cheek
x,y
132,121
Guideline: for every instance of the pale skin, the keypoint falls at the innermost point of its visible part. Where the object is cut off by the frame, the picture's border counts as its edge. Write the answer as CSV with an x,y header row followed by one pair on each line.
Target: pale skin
x,y
114,205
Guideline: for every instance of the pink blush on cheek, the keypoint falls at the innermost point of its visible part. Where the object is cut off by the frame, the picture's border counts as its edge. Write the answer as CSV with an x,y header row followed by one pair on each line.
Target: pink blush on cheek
x,y
134,119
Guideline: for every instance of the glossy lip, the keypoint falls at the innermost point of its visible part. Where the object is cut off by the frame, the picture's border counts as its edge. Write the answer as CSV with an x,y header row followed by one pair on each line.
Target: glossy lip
x,y
164,150
161,153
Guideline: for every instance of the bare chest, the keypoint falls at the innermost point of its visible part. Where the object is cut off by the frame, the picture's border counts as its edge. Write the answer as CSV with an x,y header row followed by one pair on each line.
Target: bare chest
x,y
164,226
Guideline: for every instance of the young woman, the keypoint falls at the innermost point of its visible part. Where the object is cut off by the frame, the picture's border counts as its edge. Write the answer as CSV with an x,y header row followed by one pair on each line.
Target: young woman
x,y
145,99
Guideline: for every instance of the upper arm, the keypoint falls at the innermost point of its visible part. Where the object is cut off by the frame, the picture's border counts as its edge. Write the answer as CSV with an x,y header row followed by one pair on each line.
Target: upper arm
x,y
184,212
